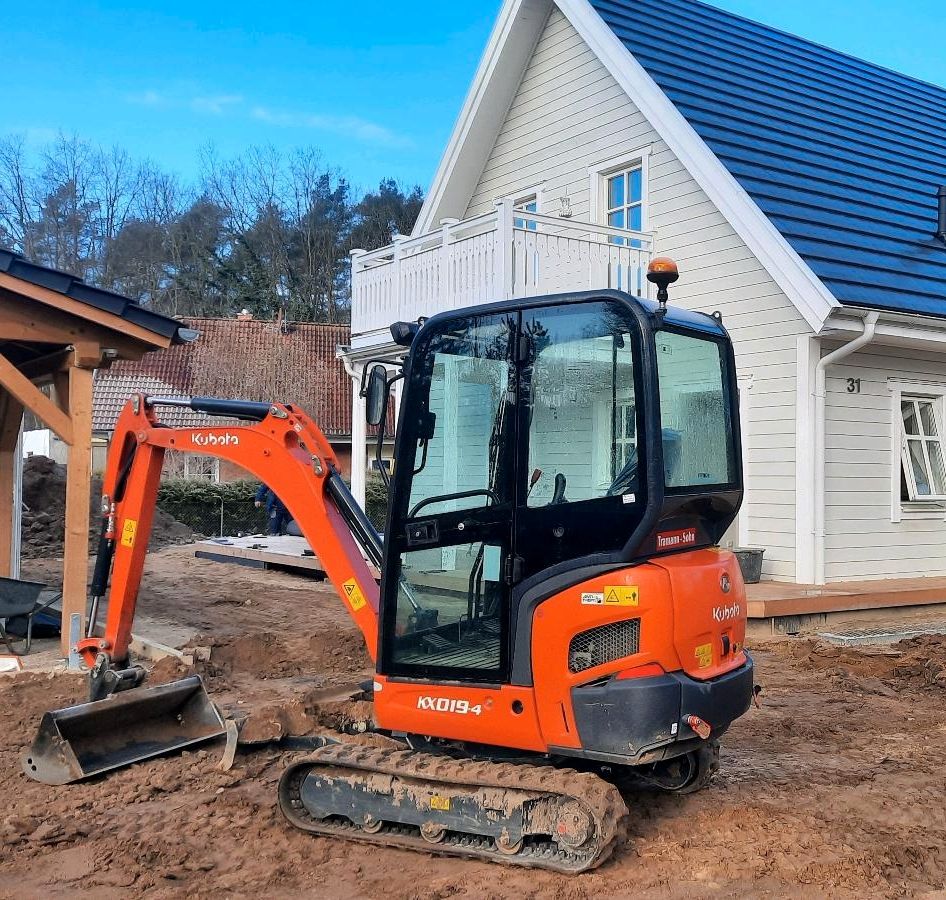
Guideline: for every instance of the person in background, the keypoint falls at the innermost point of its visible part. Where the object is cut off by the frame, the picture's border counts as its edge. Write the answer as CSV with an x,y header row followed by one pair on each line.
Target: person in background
x,y
276,511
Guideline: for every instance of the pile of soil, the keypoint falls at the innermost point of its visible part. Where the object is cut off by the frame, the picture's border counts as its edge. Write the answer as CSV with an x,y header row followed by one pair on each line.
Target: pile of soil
x,y
44,498
267,655
919,662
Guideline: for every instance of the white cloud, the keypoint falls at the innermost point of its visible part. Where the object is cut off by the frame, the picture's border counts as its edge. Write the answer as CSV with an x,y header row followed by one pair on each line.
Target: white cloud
x,y
215,105
350,126
354,127
148,98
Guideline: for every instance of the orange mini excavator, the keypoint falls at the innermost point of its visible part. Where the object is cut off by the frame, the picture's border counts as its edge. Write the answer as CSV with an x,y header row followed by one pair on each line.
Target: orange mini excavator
x,y
554,611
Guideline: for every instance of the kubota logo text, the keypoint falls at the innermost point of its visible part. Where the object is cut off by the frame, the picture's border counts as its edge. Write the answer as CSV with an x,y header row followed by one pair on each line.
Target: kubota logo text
x,y
449,705
226,439
725,613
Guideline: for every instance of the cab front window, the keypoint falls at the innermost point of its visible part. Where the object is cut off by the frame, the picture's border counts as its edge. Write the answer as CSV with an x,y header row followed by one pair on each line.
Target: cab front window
x,y
582,405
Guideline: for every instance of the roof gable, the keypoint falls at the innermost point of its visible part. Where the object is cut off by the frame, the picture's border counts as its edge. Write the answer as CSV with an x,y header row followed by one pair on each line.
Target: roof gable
x,y
475,134
823,143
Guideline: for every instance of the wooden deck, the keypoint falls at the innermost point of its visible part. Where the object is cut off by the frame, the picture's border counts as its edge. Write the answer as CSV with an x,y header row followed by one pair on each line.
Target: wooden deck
x,y
261,551
771,599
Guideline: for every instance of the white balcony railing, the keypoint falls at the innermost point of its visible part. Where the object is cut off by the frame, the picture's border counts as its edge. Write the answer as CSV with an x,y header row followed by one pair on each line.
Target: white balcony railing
x,y
499,255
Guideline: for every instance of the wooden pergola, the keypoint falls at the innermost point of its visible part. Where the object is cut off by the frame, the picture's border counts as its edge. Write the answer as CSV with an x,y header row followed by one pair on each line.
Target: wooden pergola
x,y
56,330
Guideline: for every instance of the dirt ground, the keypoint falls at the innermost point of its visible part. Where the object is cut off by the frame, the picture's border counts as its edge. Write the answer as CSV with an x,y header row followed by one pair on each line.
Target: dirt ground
x,y
834,788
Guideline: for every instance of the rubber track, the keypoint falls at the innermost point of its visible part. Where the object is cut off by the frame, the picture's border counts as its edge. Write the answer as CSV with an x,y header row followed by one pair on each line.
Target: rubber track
x,y
601,799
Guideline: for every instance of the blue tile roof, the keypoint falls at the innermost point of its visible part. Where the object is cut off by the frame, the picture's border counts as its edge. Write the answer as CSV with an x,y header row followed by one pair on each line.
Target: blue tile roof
x,y
843,156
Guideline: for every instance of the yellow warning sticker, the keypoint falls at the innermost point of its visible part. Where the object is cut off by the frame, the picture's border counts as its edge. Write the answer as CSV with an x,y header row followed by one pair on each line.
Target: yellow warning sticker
x,y
355,597
441,803
129,530
621,595
704,655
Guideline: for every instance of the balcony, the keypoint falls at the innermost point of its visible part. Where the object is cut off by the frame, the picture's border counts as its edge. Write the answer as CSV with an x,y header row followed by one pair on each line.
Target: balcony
x,y
503,254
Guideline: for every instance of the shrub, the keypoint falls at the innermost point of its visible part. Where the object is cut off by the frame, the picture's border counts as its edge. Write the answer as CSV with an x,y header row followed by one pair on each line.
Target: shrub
x,y
213,509
376,500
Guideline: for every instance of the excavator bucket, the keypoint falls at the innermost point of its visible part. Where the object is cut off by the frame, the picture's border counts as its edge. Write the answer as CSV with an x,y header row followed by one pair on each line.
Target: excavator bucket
x,y
85,740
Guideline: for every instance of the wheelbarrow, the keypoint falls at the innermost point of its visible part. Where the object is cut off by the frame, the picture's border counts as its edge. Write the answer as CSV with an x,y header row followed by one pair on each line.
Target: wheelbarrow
x,y
22,598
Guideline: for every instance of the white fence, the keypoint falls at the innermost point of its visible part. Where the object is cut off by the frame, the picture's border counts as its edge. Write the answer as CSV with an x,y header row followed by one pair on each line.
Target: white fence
x,y
502,254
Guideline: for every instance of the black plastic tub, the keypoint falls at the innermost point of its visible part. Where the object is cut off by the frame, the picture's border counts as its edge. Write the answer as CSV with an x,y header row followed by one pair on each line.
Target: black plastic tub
x,y
750,561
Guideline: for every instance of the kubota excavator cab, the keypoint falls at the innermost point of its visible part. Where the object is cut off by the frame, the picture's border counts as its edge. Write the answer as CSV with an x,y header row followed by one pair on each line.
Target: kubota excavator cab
x,y
554,458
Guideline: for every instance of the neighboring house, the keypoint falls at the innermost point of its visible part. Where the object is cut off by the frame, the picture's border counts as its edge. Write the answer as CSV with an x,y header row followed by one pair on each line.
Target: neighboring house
x,y
797,189
241,358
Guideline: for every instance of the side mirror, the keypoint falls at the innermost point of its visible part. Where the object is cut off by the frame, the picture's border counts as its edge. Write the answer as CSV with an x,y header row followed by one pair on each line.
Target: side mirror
x,y
376,395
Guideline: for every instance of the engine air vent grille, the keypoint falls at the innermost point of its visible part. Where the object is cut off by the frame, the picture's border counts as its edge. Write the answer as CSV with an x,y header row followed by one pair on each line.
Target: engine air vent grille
x,y
603,644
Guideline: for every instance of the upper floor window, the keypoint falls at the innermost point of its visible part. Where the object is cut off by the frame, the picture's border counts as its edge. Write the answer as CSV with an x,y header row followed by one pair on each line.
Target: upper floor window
x,y
624,191
529,204
921,450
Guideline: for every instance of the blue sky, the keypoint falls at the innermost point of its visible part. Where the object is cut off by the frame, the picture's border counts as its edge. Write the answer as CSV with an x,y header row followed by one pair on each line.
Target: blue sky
x,y
376,84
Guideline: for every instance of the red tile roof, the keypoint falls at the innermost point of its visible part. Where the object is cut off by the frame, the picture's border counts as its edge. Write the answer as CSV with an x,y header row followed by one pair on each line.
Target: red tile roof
x,y
247,360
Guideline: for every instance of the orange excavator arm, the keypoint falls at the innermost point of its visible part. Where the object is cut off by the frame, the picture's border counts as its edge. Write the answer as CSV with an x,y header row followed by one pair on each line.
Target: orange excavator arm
x,y
279,445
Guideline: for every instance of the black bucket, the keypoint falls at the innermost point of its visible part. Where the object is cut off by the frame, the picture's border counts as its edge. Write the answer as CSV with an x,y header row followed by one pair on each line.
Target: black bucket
x,y
85,740
750,562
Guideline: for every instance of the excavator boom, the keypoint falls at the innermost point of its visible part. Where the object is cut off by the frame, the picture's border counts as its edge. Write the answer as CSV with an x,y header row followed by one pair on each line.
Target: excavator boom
x,y
279,445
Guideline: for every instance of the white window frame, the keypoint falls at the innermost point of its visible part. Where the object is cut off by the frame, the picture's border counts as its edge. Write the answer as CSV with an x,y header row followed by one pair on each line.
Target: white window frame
x,y
900,389
192,471
599,173
602,419
528,195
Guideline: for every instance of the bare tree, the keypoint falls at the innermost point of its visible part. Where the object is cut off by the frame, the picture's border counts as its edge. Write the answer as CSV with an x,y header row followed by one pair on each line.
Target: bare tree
x,y
264,230
19,208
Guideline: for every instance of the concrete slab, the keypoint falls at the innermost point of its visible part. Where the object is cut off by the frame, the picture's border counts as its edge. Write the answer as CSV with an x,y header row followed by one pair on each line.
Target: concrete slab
x,y
881,635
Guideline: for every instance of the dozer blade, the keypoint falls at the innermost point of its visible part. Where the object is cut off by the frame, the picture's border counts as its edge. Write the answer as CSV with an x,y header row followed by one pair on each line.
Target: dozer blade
x,y
85,740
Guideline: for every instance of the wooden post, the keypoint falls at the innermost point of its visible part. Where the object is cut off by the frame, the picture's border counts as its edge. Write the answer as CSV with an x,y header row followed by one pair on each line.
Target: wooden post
x,y
78,487
11,416
445,287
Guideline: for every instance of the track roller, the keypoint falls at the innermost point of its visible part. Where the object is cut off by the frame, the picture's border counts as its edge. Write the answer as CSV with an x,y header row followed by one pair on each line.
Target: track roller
x,y
535,816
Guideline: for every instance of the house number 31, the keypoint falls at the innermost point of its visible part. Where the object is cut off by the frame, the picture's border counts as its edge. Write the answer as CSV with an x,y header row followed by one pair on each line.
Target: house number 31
x,y
853,385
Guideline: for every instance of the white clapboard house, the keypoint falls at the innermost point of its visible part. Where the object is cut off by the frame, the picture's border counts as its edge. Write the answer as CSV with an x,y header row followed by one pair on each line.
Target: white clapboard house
x,y
797,189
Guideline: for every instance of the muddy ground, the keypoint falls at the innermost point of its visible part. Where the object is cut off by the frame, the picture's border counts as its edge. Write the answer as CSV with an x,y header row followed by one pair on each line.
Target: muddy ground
x,y
834,788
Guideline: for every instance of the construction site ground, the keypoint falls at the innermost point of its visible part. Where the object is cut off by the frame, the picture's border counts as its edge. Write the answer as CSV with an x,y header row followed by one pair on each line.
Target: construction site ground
x,y
835,787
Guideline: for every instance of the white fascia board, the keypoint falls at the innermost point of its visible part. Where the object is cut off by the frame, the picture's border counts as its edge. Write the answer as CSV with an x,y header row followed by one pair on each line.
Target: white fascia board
x,y
789,271
517,31
895,329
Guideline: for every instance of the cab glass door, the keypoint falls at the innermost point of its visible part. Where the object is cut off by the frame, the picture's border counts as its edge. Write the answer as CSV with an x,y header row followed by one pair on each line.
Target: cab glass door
x,y
451,530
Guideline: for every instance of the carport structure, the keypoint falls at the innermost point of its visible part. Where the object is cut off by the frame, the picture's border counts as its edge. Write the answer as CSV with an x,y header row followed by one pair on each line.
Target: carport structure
x,y
56,330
